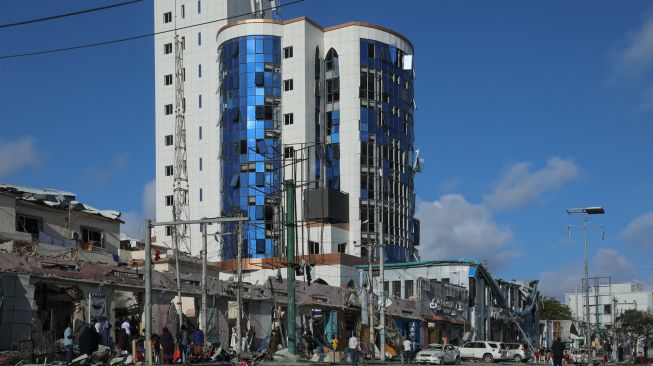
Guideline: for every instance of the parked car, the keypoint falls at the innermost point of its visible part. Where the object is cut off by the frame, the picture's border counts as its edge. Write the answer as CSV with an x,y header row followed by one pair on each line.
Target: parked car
x,y
438,354
483,350
518,352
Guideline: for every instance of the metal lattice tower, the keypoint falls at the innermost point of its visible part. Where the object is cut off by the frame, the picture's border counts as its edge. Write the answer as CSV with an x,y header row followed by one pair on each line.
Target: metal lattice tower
x,y
180,210
180,184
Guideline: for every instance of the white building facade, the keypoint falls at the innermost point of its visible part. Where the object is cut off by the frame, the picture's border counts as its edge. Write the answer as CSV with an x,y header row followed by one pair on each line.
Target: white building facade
x,y
329,109
607,302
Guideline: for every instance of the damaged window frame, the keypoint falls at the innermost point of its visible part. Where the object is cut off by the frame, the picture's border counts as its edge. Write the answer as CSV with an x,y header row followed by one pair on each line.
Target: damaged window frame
x,y
90,233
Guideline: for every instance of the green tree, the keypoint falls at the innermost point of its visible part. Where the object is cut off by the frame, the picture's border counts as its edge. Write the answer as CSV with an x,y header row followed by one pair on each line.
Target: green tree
x,y
634,325
552,309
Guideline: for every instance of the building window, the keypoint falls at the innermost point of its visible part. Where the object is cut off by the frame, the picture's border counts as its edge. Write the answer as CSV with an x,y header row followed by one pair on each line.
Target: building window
x,y
607,309
396,289
183,74
183,11
169,200
199,101
167,48
288,119
333,90
287,85
168,230
167,17
370,50
200,132
386,287
313,247
168,170
29,224
199,7
93,236
183,43
199,70
199,38
168,140
288,152
287,52
201,194
167,79
408,289
168,109
342,248
201,164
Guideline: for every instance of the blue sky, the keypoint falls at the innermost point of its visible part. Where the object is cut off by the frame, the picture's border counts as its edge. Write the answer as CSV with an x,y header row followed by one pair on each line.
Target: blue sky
x,y
524,109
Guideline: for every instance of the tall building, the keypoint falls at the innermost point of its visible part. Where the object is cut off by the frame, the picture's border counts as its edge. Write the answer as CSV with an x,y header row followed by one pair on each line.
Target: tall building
x,y
328,109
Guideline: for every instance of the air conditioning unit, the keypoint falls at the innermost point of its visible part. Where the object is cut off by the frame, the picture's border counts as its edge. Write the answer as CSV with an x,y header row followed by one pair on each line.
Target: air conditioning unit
x,y
75,235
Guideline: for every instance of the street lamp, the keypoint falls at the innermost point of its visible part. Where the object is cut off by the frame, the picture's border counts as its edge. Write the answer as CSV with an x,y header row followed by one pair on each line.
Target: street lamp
x,y
586,213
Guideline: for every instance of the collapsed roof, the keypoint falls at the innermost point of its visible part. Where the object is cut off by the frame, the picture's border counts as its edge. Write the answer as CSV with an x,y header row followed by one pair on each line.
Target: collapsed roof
x,y
57,199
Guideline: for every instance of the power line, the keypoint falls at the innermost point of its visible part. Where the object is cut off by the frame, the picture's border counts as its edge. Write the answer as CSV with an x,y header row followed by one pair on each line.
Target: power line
x,y
68,14
89,45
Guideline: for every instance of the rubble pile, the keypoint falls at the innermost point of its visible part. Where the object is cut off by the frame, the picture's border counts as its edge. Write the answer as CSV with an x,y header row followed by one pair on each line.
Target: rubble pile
x,y
12,357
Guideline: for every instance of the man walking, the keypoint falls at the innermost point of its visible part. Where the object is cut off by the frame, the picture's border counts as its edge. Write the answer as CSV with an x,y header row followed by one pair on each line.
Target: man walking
x,y
558,352
353,349
68,342
408,350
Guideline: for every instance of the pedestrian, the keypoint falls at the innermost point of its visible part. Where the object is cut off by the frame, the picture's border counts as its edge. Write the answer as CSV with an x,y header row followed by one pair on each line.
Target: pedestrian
x,y
89,340
408,350
168,345
98,325
133,324
182,341
558,352
127,327
122,341
105,337
198,342
538,352
353,349
68,342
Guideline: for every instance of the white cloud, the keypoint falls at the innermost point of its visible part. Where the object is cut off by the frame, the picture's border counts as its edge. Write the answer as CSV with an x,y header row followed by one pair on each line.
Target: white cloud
x,y
518,185
17,155
606,262
148,200
636,54
133,226
640,230
453,228
116,166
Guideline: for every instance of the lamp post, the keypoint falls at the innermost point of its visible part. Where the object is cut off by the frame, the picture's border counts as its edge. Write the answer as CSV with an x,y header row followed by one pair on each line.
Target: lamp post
x,y
586,213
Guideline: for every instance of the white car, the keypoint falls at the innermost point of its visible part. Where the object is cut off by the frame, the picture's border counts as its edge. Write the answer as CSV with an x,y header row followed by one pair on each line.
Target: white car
x,y
438,354
483,350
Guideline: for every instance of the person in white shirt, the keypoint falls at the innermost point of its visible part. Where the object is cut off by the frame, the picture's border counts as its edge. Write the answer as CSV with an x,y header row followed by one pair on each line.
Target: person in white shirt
x,y
125,325
353,349
408,351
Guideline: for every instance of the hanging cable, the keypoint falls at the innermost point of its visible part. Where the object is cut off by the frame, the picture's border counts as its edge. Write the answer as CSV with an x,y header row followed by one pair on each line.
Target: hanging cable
x,y
89,45
9,25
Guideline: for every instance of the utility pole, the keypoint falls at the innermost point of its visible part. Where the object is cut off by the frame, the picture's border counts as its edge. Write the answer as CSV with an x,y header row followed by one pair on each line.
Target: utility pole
x,y
370,295
203,319
148,291
180,210
379,230
586,212
290,247
239,293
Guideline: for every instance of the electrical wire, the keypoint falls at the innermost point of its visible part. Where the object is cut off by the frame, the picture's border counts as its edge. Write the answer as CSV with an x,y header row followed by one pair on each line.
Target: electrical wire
x,y
58,16
89,45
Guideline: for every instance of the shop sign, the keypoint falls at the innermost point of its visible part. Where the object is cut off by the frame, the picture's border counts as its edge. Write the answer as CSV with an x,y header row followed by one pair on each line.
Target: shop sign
x,y
446,306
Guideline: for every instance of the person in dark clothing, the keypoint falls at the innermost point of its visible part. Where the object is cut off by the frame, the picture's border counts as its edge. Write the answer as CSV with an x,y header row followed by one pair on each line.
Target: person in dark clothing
x,y
122,341
558,352
89,340
167,345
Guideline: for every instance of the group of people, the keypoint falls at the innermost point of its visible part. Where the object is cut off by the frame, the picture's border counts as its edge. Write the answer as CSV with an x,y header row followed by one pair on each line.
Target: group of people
x,y
554,355
96,333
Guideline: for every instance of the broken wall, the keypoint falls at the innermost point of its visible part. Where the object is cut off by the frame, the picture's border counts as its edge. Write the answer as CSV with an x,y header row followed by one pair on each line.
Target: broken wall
x,y
16,308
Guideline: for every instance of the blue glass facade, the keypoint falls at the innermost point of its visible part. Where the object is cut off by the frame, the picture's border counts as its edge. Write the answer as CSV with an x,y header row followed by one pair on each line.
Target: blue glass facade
x,y
250,92
387,137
